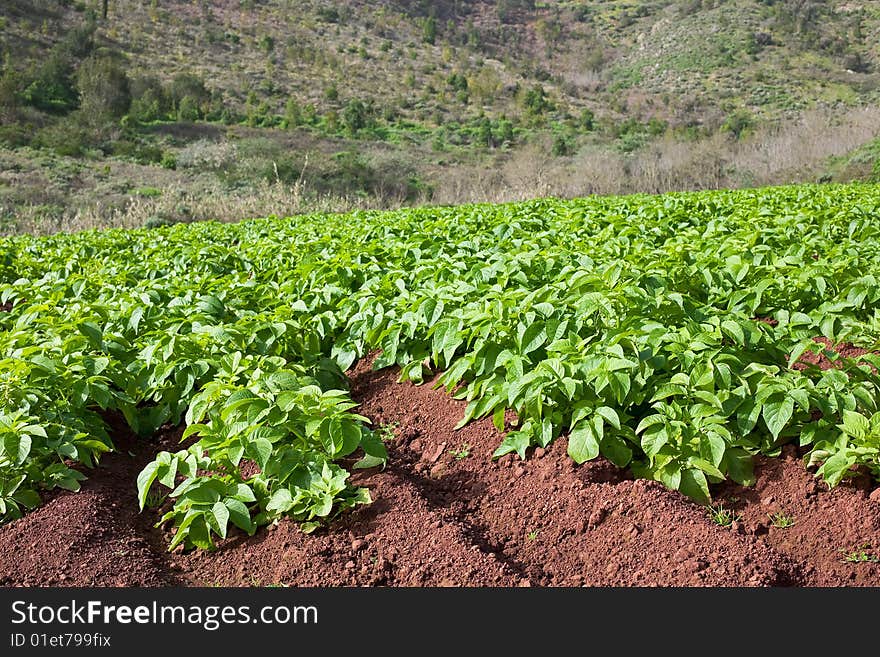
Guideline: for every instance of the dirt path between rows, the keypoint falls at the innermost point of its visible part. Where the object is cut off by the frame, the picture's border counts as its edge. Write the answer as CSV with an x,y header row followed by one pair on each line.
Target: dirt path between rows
x,y
445,514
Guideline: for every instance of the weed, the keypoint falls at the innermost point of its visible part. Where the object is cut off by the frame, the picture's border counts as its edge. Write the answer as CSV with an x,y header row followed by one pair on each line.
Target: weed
x,y
860,554
387,431
154,499
781,520
721,516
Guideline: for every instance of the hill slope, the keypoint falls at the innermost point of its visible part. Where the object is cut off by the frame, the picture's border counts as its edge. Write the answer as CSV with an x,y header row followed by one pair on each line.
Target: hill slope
x,y
402,101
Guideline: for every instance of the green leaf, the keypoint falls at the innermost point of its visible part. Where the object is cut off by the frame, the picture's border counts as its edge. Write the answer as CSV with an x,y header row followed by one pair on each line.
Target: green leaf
x,y
93,332
739,466
654,439
777,412
260,450
351,437
855,424
694,485
583,444
280,502
239,515
616,450
515,441
712,447
734,330
446,339
219,518
836,468
747,416
17,447
706,467
145,480
532,338
610,415
374,450
432,310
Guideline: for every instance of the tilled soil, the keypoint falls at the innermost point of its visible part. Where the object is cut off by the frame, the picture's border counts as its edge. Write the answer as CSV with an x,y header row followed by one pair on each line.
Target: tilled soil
x,y
445,514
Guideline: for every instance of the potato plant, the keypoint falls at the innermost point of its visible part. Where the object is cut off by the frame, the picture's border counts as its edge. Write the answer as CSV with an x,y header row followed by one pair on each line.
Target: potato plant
x,y
665,333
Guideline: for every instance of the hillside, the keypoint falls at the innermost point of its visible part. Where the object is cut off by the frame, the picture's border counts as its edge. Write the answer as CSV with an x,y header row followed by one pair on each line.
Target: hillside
x,y
380,103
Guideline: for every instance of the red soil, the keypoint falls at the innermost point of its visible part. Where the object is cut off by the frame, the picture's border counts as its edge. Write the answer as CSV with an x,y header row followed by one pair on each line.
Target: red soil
x,y
445,514
843,350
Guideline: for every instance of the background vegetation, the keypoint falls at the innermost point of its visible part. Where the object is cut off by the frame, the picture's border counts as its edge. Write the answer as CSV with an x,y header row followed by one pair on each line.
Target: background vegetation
x,y
160,111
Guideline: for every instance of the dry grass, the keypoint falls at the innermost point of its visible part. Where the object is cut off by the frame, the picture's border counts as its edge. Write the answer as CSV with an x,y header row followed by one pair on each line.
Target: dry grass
x,y
261,200
797,151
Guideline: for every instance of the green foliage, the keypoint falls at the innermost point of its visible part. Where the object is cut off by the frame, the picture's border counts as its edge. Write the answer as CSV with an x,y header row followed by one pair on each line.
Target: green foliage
x,y
587,120
627,326
188,109
781,520
562,145
721,516
354,116
738,123
103,88
187,85
535,100
52,87
429,30
66,137
861,554
856,443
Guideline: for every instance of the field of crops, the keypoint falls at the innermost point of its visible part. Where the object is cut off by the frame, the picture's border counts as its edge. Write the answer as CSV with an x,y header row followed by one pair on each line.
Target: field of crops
x,y
676,337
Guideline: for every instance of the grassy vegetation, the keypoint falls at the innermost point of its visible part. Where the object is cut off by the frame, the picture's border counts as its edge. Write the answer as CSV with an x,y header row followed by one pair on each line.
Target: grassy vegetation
x,y
380,104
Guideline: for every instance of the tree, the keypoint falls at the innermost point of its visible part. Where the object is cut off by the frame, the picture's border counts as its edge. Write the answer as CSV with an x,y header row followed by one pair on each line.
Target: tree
x,y
535,100
292,113
149,102
354,116
52,88
485,85
104,88
505,132
484,133
188,109
9,88
186,84
587,120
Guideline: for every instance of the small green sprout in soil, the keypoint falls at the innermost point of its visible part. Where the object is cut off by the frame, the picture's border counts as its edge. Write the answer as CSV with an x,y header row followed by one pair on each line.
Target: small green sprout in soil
x,y
781,520
463,451
386,431
860,555
721,516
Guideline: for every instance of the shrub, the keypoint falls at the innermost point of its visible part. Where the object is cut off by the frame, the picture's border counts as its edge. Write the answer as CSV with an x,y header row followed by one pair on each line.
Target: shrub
x,y
104,89
188,109
66,137
562,146
737,124
587,120
354,116
15,135
52,88
535,100
187,85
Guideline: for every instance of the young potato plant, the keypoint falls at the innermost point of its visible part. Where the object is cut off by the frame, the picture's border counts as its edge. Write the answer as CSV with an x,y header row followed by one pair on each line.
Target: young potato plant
x,y
285,425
